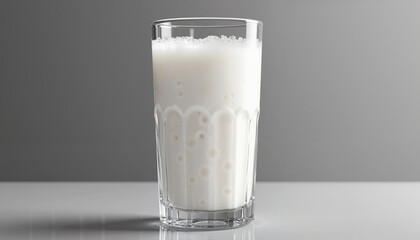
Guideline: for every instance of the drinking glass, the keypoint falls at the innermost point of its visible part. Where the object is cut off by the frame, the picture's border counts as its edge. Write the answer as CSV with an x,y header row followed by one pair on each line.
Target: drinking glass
x,y
206,78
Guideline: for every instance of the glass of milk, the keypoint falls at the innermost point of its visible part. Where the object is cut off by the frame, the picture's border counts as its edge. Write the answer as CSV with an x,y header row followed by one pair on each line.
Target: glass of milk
x,y
206,77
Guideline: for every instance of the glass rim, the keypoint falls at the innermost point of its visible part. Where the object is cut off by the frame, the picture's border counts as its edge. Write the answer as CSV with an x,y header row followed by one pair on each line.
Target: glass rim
x,y
241,22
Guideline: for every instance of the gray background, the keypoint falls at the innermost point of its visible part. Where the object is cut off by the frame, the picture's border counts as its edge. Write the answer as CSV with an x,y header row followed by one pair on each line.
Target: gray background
x,y
340,88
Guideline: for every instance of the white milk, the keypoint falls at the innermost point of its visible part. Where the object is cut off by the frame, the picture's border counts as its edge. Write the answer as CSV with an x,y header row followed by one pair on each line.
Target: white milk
x,y
207,97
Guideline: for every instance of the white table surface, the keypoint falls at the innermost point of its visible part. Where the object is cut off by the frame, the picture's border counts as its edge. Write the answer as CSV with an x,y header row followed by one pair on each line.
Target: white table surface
x,y
283,211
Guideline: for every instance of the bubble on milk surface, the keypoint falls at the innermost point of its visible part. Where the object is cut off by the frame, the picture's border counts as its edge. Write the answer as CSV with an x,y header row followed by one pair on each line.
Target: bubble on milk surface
x,y
229,97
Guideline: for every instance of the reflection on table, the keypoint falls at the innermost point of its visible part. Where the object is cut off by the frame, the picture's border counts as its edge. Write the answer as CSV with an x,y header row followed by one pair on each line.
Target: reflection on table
x,y
243,233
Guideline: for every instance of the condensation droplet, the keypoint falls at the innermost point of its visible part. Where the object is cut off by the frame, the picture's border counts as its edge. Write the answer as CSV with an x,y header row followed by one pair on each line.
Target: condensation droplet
x,y
191,143
180,159
204,172
180,94
176,137
227,166
192,180
213,153
203,120
200,136
178,83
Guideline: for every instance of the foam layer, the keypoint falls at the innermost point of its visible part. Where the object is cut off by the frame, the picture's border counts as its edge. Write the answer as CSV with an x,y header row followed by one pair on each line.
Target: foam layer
x,y
222,41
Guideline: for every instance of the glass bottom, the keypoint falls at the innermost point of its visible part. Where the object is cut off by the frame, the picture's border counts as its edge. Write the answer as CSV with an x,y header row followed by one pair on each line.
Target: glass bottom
x,y
206,220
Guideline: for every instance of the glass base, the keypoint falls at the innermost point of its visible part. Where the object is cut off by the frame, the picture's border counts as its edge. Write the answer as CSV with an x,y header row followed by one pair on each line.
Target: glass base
x,y
206,220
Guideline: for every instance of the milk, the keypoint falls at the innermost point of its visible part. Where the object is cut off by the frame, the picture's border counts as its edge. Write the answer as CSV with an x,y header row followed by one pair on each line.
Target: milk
x,y
207,97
